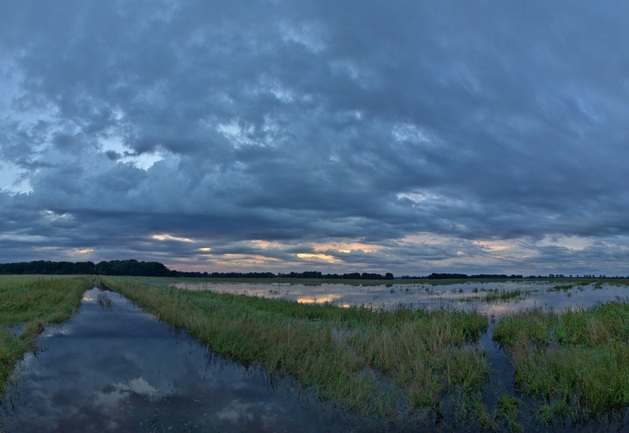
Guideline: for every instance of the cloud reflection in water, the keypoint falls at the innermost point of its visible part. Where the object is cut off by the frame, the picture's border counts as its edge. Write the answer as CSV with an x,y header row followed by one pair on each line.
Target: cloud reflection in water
x,y
121,370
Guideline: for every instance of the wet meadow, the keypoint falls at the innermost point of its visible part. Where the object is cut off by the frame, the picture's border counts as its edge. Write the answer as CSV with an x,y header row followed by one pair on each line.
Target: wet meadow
x,y
156,354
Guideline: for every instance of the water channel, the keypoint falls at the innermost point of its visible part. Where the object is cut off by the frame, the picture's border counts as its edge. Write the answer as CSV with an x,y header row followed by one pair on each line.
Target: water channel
x,y
115,368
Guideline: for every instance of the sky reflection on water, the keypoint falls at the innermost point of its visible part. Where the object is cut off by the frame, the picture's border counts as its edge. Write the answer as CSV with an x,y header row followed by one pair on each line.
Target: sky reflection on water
x,y
115,368
464,296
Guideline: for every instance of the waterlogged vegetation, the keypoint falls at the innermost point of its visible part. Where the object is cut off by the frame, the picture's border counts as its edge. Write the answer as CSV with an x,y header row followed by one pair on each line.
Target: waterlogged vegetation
x,y
496,295
379,363
553,366
28,304
576,363
518,306
398,361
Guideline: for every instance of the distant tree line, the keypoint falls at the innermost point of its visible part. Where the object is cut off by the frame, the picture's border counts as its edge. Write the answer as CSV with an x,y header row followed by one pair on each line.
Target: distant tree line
x,y
350,276
453,276
256,275
48,267
302,275
112,267
448,276
133,267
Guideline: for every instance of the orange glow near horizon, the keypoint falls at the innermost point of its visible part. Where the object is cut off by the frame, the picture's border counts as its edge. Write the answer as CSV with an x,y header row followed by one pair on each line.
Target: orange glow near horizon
x,y
322,257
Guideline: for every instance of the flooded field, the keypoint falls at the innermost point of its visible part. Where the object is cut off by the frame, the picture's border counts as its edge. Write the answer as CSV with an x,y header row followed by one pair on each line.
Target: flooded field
x,y
116,368
491,298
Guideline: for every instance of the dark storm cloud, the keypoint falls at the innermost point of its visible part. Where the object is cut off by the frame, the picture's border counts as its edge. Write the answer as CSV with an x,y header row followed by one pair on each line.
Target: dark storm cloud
x,y
486,125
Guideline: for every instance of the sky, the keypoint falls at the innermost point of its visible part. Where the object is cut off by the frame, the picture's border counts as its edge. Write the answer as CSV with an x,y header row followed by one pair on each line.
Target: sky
x,y
340,136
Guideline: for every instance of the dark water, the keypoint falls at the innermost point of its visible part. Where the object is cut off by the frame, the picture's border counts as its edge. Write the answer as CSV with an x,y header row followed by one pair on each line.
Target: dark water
x,y
114,368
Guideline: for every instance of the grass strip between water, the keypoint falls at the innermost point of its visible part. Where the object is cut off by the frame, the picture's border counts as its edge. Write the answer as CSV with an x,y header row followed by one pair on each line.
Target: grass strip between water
x,y
378,363
28,304
576,362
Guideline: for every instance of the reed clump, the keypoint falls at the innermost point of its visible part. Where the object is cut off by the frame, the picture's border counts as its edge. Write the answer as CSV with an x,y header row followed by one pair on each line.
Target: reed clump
x,y
378,363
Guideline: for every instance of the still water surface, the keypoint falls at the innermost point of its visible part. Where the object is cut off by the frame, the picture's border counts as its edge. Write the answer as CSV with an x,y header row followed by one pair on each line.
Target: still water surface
x,y
462,296
115,368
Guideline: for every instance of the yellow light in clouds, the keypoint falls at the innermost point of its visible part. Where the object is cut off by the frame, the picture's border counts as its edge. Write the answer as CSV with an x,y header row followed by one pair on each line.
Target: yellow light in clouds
x,y
80,252
205,249
346,247
169,237
323,257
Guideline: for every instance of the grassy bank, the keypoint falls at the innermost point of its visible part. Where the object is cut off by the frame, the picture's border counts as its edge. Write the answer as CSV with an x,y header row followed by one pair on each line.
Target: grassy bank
x,y
377,363
575,363
28,304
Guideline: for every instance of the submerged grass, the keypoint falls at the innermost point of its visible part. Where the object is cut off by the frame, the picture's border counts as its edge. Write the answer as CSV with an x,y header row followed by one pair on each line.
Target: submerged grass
x,y
28,304
575,362
378,363
496,295
504,295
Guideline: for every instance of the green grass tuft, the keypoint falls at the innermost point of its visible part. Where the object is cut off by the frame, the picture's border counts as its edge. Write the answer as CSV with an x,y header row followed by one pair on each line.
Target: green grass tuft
x,y
29,303
576,362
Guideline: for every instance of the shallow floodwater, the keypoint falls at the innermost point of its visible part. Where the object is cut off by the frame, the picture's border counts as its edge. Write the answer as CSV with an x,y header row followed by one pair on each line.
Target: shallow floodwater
x,y
483,297
115,368
494,299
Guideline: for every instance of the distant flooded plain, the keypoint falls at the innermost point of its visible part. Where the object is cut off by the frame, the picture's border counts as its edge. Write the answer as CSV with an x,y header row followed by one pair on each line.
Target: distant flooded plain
x,y
494,299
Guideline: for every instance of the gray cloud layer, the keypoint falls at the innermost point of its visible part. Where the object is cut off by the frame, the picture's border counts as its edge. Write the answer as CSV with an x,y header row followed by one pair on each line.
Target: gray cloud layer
x,y
481,137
